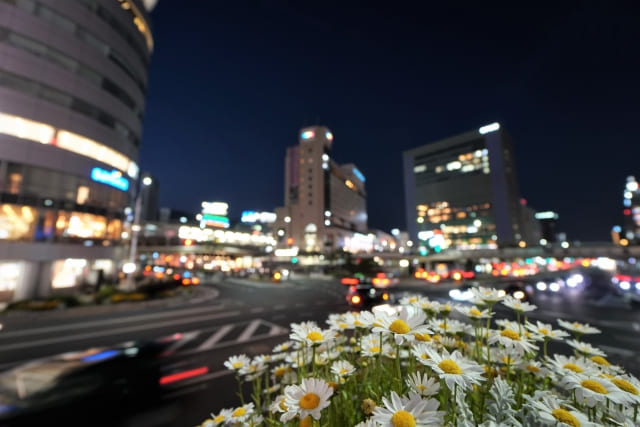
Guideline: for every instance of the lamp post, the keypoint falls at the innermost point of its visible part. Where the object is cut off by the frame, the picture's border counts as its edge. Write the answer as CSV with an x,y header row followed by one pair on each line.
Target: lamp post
x,y
130,267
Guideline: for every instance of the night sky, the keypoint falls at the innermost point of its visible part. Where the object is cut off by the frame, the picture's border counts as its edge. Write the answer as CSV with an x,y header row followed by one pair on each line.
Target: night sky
x,y
232,82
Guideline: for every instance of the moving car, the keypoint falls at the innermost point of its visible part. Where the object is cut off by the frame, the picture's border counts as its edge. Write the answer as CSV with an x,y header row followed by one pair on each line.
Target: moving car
x,y
365,296
98,386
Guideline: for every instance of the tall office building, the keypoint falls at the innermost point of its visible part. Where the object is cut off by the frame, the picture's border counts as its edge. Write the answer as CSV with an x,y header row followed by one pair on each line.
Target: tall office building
x,y
462,192
73,77
324,202
631,212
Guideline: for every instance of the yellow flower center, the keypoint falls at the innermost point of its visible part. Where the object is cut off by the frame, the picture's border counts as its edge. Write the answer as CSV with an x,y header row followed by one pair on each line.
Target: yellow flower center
x,y
532,368
305,422
314,336
237,365
358,323
565,417
572,367
282,405
450,367
422,337
511,334
420,387
413,299
424,356
399,327
343,371
218,419
343,325
443,326
576,325
475,312
279,372
368,405
594,386
625,385
238,412
446,308
333,385
600,360
543,331
309,401
375,350
403,419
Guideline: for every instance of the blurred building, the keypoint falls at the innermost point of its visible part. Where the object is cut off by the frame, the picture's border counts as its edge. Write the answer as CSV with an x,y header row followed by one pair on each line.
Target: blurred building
x,y
548,221
325,203
462,192
149,195
73,77
531,230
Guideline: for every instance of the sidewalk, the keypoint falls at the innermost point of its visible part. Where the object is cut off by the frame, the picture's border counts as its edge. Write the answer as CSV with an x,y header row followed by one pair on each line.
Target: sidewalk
x,y
183,297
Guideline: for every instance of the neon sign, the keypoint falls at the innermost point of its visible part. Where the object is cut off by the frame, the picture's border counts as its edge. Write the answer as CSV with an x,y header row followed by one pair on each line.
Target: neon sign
x,y
113,178
358,174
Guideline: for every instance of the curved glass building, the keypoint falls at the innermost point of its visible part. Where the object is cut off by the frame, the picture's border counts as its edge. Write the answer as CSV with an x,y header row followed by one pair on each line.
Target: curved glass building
x,y
73,78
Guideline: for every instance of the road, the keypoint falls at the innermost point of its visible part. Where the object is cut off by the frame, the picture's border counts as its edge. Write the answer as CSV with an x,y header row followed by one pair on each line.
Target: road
x,y
251,317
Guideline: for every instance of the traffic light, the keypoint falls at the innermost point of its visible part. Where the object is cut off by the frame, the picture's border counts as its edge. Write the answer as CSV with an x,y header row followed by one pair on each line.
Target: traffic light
x,y
294,260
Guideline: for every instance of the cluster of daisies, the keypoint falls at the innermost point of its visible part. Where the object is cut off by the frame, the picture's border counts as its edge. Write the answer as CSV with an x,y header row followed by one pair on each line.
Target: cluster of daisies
x,y
427,363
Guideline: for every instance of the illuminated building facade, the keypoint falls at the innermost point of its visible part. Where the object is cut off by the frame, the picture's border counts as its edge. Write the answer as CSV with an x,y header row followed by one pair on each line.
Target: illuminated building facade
x,y
73,77
462,192
324,202
631,213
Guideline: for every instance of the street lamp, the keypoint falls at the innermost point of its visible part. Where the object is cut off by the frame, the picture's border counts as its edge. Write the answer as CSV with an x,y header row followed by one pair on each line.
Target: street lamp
x,y
130,267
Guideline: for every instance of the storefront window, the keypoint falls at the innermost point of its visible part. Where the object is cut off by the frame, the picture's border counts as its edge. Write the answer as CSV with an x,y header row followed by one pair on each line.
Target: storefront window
x,y
16,222
10,272
114,229
67,273
83,225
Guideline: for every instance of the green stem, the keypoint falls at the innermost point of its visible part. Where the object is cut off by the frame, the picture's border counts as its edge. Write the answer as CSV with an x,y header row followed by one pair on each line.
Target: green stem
x,y
455,392
240,389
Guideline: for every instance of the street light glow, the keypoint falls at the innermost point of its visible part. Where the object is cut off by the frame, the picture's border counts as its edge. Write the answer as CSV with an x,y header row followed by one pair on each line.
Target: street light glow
x,y
147,181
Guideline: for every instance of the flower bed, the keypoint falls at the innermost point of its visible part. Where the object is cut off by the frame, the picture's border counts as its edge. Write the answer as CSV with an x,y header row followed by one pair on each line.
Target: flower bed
x,y
415,365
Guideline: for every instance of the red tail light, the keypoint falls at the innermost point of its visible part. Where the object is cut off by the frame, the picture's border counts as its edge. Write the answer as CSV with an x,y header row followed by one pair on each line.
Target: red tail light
x,y
196,281
186,282
349,281
168,379
355,299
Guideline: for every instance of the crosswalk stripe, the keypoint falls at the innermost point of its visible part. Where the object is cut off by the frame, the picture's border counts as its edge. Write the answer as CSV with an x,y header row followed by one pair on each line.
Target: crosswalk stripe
x,y
213,339
248,331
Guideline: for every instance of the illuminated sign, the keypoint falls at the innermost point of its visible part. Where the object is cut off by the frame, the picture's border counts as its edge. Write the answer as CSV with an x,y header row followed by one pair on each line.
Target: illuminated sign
x,y
287,252
263,217
546,215
308,134
358,174
113,178
219,221
489,128
215,208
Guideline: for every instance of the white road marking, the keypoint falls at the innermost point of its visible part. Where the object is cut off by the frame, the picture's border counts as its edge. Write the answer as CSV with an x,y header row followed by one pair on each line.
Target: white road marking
x,y
248,331
115,321
95,334
213,339
616,350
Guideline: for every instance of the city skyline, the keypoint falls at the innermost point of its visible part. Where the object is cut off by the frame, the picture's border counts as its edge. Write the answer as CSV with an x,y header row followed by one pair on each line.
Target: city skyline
x,y
231,85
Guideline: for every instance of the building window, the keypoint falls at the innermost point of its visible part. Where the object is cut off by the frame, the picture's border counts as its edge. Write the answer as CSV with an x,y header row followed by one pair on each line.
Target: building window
x,y
83,195
15,182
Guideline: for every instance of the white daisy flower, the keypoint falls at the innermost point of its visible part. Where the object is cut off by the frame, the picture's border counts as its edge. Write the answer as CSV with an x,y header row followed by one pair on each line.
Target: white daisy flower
x,y
272,389
263,358
630,385
253,369
308,398
236,363
545,331
411,300
241,414
311,334
563,365
402,325
508,356
591,390
535,367
221,418
412,411
370,346
342,368
299,358
367,423
605,366
419,350
285,346
473,312
340,322
579,328
422,384
453,368
512,339
255,421
517,305
448,342
548,409
451,326
486,296
364,319
586,348
278,404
